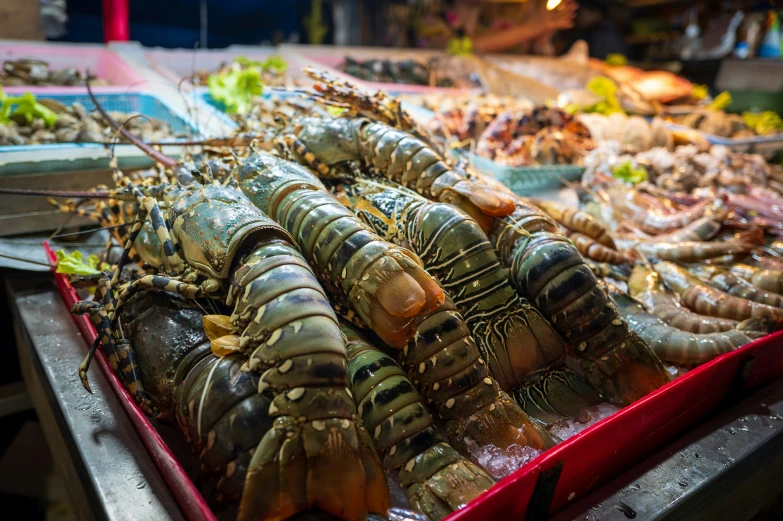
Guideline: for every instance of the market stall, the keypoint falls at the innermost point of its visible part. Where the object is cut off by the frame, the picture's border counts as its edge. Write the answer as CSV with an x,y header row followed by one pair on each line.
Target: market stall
x,y
333,282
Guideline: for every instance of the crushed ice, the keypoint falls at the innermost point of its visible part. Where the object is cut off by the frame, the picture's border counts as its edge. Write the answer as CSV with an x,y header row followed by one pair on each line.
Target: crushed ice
x,y
497,462
567,428
399,498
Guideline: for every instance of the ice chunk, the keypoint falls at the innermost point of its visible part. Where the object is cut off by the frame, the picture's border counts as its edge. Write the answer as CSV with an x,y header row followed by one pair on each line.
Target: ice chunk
x,y
676,370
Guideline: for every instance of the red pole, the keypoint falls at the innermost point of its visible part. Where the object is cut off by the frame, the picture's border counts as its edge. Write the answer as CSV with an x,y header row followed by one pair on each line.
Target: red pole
x,y
116,25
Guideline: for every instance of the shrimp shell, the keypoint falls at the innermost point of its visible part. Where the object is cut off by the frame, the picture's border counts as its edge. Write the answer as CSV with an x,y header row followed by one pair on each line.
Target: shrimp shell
x,y
577,221
692,251
592,249
646,286
674,345
702,298
770,280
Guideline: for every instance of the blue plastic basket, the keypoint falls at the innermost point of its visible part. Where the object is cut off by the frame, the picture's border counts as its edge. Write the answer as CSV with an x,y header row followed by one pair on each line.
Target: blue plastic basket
x,y
529,180
54,157
146,104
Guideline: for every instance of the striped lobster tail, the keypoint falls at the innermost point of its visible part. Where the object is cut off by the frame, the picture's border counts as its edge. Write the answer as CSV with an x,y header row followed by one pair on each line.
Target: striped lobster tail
x,y
382,283
290,334
515,340
436,478
546,268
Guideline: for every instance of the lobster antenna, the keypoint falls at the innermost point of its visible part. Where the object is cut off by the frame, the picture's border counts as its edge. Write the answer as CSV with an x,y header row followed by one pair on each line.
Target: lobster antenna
x,y
82,232
5,255
160,157
68,193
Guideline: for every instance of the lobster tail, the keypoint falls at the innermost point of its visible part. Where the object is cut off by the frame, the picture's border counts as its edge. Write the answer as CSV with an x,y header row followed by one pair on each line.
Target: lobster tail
x,y
437,479
444,364
294,466
290,333
559,393
441,481
547,269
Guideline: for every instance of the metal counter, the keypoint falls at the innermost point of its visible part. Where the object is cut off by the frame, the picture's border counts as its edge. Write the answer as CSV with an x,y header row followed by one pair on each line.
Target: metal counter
x,y
108,472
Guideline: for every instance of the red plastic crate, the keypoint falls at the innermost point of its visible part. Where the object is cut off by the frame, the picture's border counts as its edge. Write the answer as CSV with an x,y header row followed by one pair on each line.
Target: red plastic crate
x,y
101,63
584,461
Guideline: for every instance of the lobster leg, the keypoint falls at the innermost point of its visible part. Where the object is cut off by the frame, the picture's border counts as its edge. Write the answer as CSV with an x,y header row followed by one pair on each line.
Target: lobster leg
x,y
120,356
306,156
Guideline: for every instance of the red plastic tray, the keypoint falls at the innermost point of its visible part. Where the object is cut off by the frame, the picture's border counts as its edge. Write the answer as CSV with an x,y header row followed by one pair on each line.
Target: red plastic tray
x,y
583,461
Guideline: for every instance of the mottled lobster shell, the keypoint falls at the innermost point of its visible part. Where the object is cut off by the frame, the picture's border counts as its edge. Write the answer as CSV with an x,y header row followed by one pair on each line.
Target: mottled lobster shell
x,y
212,223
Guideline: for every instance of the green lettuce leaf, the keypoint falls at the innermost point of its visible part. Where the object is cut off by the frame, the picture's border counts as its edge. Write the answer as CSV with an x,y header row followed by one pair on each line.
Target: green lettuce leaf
x,y
236,88
27,107
720,102
275,63
627,173
700,92
607,89
75,264
763,123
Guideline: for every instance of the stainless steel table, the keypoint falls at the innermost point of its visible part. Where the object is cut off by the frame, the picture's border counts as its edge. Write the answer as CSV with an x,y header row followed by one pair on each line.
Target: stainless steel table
x,y
730,467
108,472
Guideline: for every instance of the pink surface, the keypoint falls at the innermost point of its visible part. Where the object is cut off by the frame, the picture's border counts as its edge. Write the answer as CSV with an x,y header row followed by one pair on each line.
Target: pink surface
x,y
588,458
185,493
100,62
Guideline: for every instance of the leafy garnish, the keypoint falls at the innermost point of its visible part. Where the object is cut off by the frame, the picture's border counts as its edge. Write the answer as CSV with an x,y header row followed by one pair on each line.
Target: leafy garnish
x,y
763,123
27,107
700,92
276,63
616,59
236,88
721,101
607,89
336,111
626,172
460,46
75,264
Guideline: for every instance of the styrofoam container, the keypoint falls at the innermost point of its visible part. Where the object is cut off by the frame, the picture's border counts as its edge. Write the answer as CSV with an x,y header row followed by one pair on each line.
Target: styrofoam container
x,y
100,62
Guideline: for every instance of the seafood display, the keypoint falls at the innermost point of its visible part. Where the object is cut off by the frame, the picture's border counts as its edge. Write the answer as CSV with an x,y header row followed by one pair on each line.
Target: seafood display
x,y
464,118
542,136
736,126
698,229
28,72
44,121
436,72
343,317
